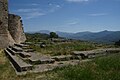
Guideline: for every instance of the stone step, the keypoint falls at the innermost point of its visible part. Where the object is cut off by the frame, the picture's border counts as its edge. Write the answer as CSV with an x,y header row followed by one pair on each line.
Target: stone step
x,y
17,49
40,59
49,67
21,45
46,60
18,63
64,57
29,50
12,51
113,50
24,55
96,53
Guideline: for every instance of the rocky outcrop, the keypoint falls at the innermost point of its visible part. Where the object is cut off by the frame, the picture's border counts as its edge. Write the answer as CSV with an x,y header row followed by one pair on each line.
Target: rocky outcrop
x,y
15,28
6,34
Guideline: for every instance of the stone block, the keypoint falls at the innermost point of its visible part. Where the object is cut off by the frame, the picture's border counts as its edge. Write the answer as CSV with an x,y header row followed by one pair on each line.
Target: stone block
x,y
18,63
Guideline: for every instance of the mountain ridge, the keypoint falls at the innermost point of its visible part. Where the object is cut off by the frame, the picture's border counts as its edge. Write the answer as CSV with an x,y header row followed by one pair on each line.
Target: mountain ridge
x,y
102,36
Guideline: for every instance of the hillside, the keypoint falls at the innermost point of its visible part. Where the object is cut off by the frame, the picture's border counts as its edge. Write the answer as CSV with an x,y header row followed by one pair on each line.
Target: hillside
x,y
36,37
103,36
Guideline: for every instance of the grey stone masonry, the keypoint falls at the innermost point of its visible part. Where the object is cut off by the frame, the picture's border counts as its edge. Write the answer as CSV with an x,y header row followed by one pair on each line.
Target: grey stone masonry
x,y
18,63
97,52
11,27
63,57
5,37
25,54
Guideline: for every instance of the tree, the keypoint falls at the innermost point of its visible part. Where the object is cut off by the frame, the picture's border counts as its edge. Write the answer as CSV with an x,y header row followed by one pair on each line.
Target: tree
x,y
117,43
53,35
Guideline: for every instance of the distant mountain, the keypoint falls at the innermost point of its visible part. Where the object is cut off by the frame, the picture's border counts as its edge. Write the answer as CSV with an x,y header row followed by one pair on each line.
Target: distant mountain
x,y
44,31
103,36
64,34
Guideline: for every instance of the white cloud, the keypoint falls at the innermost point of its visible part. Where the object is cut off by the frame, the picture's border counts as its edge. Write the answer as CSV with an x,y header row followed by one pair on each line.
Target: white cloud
x,y
34,4
54,8
77,0
58,6
73,23
98,14
34,15
30,13
27,10
50,4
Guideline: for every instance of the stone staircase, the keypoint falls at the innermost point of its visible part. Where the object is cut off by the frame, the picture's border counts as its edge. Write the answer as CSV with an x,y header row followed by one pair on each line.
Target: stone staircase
x,y
25,59
18,63
96,53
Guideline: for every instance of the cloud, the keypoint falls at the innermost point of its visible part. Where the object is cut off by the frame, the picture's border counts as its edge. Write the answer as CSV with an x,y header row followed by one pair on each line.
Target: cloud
x,y
53,8
34,4
97,14
34,15
30,13
27,10
73,23
77,0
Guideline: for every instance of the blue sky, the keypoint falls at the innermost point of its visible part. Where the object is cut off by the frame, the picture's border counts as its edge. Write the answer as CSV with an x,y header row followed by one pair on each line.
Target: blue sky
x,y
68,15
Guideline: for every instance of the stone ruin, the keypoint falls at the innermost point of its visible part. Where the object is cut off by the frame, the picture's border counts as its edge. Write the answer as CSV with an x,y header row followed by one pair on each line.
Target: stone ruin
x,y
24,59
11,27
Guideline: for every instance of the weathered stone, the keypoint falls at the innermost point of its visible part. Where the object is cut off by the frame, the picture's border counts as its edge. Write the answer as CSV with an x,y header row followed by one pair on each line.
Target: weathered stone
x,y
11,51
18,63
15,28
21,45
25,55
14,32
17,49
63,57
5,37
46,60
40,59
96,52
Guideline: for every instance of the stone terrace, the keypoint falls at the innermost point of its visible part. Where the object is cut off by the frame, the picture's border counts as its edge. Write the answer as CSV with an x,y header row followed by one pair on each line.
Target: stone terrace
x,y
24,61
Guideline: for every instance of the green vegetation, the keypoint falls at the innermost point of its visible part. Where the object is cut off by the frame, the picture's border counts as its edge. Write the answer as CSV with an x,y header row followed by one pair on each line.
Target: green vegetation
x,y
37,37
117,43
64,48
102,68
60,47
53,35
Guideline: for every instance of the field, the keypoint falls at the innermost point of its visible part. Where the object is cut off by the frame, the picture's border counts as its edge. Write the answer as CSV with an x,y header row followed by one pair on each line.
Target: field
x,y
102,68
65,48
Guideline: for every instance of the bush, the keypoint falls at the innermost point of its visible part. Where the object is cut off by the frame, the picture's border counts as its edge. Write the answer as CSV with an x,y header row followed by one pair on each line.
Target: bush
x,y
53,35
117,43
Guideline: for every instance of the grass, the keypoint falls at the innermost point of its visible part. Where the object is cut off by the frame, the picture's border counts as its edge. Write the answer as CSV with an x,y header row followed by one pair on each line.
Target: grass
x,y
67,47
64,48
101,68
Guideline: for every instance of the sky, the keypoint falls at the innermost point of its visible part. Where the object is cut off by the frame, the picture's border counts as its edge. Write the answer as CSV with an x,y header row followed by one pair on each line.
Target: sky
x,y
68,15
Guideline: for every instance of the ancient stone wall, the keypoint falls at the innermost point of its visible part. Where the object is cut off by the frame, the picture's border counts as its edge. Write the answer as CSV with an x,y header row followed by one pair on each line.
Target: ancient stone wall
x,y
12,34
15,28
5,37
